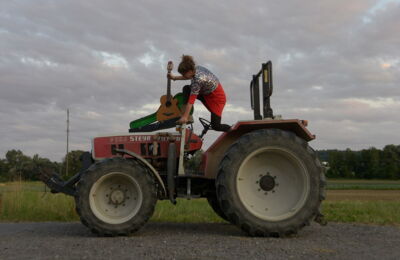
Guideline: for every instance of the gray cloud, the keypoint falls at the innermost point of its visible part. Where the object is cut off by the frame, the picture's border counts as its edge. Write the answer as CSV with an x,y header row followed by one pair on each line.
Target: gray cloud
x,y
335,64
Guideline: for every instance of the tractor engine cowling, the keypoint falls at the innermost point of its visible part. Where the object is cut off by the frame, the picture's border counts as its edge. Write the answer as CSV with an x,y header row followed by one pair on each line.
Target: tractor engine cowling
x,y
146,145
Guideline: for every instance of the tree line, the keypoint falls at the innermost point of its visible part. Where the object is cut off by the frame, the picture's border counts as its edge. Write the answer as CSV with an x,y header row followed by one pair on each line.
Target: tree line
x,y
369,163
18,166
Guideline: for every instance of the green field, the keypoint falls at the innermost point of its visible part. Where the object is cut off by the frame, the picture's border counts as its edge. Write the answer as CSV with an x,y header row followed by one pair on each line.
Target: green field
x,y
30,202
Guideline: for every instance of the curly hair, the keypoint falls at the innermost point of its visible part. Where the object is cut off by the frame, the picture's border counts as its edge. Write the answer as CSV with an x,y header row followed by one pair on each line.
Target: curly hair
x,y
186,64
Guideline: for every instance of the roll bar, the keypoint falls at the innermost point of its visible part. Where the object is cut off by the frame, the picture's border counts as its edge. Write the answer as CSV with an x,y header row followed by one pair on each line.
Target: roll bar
x,y
266,73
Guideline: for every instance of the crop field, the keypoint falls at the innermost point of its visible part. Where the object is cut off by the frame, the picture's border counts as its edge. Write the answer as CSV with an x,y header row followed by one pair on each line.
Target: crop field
x,y
378,202
363,195
363,185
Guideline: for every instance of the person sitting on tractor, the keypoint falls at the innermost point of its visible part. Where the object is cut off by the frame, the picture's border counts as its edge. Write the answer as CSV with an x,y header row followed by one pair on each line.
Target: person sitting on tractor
x,y
204,86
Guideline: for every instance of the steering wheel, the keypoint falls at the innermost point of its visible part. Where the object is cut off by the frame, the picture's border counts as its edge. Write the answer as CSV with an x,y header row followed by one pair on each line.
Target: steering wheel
x,y
206,124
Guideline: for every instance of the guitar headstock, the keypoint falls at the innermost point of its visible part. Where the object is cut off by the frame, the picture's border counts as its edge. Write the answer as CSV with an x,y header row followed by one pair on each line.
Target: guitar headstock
x,y
170,66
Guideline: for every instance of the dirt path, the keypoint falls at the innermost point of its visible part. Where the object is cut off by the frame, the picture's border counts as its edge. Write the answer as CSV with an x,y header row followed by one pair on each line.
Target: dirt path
x,y
196,241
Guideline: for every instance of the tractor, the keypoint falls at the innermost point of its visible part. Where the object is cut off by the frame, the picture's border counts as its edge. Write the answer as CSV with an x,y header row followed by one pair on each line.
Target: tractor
x,y
261,176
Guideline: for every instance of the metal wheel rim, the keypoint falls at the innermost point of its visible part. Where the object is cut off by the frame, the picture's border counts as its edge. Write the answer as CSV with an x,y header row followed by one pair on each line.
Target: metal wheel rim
x,y
290,178
115,198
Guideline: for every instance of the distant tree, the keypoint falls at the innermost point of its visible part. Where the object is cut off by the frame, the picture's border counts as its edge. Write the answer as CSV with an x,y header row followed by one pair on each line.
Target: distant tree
x,y
74,164
357,165
390,162
336,163
365,164
38,164
370,163
323,155
3,170
19,165
347,164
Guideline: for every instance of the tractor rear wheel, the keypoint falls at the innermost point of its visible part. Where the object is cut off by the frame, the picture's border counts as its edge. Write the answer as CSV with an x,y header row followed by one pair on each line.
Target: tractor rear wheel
x,y
214,204
115,197
270,183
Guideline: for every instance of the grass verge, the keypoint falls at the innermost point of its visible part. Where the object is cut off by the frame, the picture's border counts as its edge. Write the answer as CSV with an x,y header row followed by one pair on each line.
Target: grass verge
x,y
20,203
28,202
367,212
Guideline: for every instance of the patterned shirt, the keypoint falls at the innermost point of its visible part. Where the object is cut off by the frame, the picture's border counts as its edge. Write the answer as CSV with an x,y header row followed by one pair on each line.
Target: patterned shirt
x,y
203,82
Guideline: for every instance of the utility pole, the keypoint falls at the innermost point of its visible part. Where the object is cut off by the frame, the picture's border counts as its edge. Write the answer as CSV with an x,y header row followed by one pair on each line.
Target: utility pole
x,y
66,157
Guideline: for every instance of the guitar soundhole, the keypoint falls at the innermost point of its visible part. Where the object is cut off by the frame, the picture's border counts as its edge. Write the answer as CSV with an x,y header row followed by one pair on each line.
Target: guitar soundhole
x,y
168,103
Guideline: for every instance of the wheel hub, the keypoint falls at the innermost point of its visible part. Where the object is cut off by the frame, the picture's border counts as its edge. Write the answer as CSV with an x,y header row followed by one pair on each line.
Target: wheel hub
x,y
260,176
267,183
117,197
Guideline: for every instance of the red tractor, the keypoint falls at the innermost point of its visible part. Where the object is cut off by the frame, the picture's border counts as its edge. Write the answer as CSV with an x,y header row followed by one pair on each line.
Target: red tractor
x,y
262,176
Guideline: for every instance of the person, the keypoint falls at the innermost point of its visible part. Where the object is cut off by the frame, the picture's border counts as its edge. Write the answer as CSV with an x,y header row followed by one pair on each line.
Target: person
x,y
204,86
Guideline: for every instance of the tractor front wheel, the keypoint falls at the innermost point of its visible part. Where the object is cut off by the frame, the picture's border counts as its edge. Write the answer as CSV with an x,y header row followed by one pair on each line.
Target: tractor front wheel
x,y
115,197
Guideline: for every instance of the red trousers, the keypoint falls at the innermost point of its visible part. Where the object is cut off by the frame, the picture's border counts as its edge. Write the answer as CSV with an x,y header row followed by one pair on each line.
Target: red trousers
x,y
214,102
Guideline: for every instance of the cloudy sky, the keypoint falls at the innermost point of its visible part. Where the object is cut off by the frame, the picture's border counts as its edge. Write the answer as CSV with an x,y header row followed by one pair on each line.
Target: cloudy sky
x,y
336,63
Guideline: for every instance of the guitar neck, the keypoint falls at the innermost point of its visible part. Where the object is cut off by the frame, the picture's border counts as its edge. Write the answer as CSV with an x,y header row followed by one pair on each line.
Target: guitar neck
x,y
169,90
169,68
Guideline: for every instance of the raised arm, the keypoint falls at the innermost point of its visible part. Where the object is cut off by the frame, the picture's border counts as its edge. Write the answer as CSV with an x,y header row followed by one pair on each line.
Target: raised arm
x,y
170,76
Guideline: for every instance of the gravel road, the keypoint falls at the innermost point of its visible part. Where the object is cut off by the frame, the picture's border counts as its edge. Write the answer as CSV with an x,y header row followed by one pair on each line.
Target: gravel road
x,y
52,240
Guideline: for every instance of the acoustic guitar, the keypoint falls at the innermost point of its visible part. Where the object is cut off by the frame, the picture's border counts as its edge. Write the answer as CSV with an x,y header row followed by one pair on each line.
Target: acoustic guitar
x,y
169,106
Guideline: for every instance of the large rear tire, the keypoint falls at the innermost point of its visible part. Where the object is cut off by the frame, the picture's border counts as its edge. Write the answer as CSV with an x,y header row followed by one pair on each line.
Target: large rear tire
x,y
214,204
270,183
115,197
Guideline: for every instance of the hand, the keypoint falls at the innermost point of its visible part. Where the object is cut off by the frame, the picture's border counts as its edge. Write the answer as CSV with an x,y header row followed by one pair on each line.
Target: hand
x,y
182,120
170,76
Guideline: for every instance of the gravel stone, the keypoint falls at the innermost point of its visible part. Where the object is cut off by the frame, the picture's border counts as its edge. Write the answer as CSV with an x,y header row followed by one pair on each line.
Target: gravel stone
x,y
54,240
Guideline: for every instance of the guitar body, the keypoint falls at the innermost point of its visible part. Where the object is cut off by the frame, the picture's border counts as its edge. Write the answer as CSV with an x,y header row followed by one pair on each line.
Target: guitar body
x,y
168,109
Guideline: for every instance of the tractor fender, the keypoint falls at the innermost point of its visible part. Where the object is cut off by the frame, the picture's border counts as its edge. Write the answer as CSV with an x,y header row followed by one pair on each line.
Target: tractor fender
x,y
147,165
214,154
